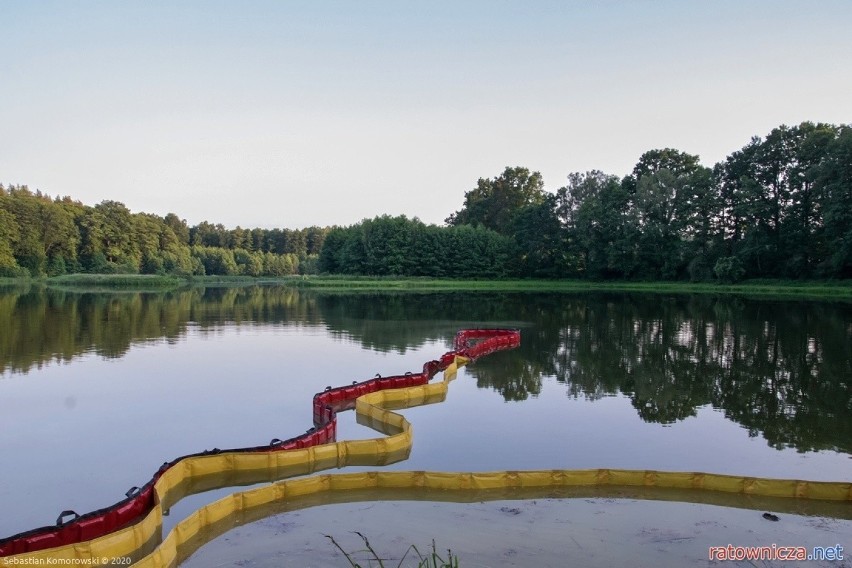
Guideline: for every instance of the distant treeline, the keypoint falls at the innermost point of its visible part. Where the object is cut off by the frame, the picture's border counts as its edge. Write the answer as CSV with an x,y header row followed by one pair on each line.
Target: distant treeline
x,y
40,236
401,246
780,207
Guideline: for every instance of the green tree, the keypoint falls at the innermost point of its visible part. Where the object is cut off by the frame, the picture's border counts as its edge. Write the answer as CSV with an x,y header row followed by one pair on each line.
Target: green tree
x,y
210,235
475,252
180,261
295,242
178,227
240,238
248,263
494,202
540,240
29,246
147,231
352,256
600,224
388,245
309,265
9,236
275,241
773,202
429,248
59,235
834,178
258,240
661,187
729,269
330,260
108,239
314,237
216,260
656,202
728,176
700,230
280,264
802,235
675,161
406,247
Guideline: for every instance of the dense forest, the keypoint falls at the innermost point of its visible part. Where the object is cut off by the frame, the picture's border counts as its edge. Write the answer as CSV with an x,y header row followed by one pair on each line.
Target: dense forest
x,y
40,236
780,207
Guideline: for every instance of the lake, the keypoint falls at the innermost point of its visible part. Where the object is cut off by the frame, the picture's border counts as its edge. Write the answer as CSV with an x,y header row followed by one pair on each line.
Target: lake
x,y
98,389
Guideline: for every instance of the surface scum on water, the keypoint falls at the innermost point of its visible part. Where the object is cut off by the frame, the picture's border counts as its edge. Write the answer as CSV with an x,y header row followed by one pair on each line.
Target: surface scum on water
x,y
98,389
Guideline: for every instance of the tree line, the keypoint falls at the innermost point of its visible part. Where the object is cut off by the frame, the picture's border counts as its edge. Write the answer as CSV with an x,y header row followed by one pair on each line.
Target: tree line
x,y
387,246
777,208
780,207
43,236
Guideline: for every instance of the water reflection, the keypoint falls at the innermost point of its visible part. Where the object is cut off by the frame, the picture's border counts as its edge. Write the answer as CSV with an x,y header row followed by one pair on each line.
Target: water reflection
x,y
780,368
42,324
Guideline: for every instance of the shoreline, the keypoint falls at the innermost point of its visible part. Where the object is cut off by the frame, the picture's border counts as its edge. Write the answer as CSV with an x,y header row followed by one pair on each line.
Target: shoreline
x,y
110,282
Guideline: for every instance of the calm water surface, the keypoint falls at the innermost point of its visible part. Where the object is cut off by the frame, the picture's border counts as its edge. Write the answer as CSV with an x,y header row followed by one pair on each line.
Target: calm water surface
x,y
98,389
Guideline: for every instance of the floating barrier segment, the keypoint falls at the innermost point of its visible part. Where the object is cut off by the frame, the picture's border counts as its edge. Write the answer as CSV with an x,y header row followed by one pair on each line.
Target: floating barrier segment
x,y
131,524
214,519
228,468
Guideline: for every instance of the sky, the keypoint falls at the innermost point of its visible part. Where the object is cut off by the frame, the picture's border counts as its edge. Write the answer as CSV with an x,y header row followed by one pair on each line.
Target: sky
x,y
298,113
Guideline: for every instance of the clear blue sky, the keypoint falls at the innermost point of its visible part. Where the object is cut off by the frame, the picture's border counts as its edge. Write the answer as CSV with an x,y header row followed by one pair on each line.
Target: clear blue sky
x,y
288,114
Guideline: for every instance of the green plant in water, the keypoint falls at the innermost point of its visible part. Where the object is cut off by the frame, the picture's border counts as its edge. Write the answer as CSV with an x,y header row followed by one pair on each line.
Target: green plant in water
x,y
431,560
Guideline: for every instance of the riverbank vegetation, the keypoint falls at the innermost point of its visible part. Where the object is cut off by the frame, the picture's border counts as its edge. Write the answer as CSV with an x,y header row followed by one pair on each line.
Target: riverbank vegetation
x,y
778,208
44,237
430,560
758,287
818,290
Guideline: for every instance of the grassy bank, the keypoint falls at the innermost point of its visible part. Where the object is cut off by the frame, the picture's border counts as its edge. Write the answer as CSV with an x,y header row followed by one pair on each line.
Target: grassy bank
x,y
150,281
781,288
135,281
763,287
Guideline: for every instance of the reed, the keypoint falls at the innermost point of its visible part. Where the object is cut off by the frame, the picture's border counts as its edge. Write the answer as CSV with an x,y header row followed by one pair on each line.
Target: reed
x,y
116,281
429,560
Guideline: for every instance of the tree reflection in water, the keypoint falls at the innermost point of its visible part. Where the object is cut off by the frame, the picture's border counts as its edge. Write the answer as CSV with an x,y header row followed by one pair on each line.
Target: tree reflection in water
x,y
779,368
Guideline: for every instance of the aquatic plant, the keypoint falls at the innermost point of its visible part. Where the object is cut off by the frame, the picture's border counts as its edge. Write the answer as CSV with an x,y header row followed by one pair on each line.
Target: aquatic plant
x,y
430,560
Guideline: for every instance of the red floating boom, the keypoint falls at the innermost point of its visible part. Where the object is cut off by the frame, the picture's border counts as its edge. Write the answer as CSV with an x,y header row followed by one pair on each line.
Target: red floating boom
x,y
470,343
